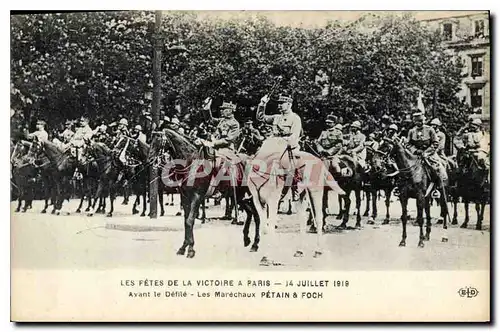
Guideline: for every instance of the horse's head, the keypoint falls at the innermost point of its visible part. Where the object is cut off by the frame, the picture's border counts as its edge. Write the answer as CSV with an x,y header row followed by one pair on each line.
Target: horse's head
x,y
178,145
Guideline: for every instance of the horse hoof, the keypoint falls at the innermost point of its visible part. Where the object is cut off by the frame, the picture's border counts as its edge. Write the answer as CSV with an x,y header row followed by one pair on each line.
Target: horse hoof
x,y
464,225
171,204
427,238
298,253
370,222
87,209
358,225
143,214
109,215
162,213
366,214
386,222
440,221
17,210
254,248
78,211
178,214
289,213
53,212
181,252
421,244
246,242
444,239
190,254
445,227
478,227
402,243
317,254
135,212
44,211
24,210
58,213
90,214
234,222
240,223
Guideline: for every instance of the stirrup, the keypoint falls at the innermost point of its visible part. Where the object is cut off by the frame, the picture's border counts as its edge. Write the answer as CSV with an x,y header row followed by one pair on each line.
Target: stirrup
x,y
436,194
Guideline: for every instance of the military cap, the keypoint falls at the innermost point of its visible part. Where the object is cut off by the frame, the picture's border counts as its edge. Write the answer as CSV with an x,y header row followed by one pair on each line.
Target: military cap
x,y
123,121
356,124
175,120
41,122
338,126
331,118
228,105
393,127
436,122
418,115
477,122
285,99
138,127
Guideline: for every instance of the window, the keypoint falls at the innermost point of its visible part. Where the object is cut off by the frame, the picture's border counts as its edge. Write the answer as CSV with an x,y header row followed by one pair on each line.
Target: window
x,y
479,28
447,31
476,97
477,66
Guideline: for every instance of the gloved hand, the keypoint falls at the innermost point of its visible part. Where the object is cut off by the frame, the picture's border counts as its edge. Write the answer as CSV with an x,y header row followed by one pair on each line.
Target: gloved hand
x,y
264,100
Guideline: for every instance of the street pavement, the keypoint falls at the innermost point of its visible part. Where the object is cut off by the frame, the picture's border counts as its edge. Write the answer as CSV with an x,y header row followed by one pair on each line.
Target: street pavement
x,y
77,241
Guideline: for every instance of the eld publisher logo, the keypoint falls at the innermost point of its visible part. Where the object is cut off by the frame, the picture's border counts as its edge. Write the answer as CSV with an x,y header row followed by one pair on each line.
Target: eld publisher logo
x,y
468,292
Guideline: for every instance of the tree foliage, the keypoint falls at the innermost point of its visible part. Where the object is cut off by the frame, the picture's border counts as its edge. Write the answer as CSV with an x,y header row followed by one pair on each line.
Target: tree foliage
x,y
100,65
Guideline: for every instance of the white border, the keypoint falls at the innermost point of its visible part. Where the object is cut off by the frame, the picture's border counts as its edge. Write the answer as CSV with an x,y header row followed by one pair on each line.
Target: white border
x,y
188,5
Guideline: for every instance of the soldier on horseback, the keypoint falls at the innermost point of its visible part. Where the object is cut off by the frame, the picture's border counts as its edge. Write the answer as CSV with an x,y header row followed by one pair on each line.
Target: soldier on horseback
x,y
138,134
473,144
226,132
330,142
40,134
423,141
356,145
286,126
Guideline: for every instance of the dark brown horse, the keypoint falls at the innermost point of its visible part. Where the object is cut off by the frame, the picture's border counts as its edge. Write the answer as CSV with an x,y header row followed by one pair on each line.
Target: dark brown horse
x,y
378,178
414,178
192,171
473,186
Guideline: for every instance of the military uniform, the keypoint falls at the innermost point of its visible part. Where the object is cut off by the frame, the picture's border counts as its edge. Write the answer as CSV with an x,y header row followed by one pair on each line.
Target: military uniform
x,y
40,135
356,145
474,143
67,135
330,141
226,133
424,141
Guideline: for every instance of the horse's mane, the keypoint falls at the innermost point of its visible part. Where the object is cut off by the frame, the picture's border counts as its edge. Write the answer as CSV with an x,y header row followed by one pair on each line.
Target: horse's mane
x,y
180,144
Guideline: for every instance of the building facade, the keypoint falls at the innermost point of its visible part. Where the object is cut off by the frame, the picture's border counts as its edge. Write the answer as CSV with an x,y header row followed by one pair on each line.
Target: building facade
x,y
467,36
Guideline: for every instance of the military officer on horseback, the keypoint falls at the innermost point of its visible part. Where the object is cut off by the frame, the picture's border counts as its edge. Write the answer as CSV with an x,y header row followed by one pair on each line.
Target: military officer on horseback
x,y
40,134
227,131
356,145
68,133
286,126
441,137
474,144
329,142
138,134
423,141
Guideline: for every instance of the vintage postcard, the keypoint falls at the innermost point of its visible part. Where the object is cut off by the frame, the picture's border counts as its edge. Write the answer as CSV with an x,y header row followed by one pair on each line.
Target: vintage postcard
x,y
257,166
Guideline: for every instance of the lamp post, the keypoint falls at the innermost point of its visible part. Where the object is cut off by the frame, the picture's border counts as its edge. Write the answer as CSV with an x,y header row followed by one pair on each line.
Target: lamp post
x,y
156,105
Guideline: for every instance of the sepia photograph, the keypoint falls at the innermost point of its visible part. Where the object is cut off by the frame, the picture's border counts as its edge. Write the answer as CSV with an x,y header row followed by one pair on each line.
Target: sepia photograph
x,y
259,157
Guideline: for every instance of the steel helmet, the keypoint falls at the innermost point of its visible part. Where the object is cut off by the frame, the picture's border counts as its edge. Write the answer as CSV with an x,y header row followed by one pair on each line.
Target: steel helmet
x,y
175,121
123,122
338,126
436,122
138,127
356,124
393,127
477,122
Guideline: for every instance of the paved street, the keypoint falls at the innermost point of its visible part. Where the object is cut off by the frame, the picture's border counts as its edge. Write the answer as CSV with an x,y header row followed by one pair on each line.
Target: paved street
x,y
125,241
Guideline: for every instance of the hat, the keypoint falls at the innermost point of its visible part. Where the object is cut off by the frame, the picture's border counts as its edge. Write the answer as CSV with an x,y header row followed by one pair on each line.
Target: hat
x,y
356,124
123,121
407,119
84,119
249,121
285,99
175,120
477,122
41,122
393,127
331,118
228,105
371,135
138,127
436,122
166,118
338,126
69,122
418,115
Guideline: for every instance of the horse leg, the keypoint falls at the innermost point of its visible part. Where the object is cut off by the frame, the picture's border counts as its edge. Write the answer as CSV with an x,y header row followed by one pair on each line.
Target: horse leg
x,y
111,199
160,200
19,202
387,194
347,207
466,207
248,220
144,200
420,218
185,205
339,216
367,209
480,213
315,199
97,198
358,207
189,223
82,198
428,224
454,221
325,208
404,218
